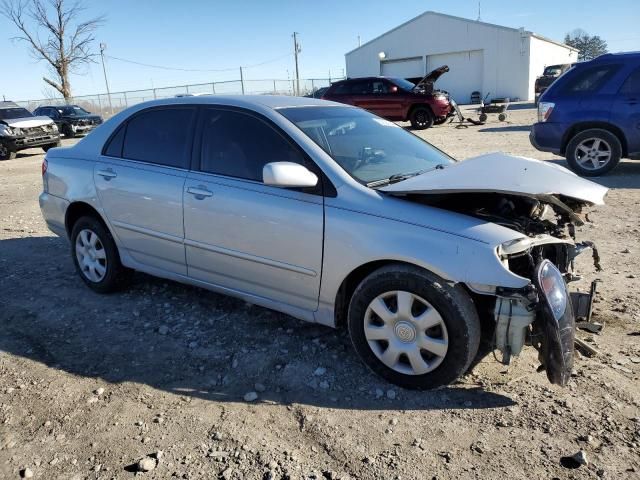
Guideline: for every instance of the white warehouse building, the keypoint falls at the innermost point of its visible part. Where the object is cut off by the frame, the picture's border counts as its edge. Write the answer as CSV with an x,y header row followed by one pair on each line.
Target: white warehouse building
x,y
490,59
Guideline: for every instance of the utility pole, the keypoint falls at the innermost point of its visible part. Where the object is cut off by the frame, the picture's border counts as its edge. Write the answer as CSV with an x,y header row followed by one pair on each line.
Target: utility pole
x,y
103,46
296,51
242,80
479,10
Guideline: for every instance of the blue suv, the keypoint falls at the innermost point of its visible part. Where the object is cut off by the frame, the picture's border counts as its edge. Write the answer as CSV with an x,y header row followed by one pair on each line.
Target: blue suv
x,y
591,114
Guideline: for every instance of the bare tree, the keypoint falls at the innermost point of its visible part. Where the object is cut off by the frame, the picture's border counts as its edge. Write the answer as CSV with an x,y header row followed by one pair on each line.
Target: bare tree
x,y
588,46
68,43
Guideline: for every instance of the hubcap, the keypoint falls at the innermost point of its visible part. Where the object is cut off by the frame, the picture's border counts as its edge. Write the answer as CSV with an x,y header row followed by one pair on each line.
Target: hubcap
x,y
406,332
593,153
91,255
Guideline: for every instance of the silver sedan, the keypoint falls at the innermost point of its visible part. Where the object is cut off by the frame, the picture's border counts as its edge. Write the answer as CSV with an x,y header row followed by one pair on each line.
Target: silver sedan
x,y
333,215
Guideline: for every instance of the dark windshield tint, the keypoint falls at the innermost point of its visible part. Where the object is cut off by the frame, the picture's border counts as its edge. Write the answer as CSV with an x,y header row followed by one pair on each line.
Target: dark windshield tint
x,y
402,83
631,85
369,148
72,111
13,113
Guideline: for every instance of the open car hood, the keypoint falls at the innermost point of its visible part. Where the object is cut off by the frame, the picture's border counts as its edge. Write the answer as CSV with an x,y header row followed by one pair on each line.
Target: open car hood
x,y
27,122
501,173
431,77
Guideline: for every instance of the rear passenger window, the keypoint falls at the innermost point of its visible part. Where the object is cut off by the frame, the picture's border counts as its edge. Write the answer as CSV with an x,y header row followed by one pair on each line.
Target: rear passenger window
x,y
631,86
239,145
590,80
159,136
114,147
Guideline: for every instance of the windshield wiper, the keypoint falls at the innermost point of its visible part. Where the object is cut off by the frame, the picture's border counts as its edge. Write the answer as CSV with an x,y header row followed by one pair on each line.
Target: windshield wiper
x,y
399,177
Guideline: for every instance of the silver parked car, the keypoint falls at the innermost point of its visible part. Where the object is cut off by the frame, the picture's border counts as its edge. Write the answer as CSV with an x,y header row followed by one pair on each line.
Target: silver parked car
x,y
333,215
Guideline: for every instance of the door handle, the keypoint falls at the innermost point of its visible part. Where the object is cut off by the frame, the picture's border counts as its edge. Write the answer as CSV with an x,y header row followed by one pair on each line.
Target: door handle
x,y
199,192
107,174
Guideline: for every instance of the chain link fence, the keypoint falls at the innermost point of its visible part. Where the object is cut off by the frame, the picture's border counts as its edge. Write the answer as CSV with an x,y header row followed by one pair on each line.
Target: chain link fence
x,y
107,105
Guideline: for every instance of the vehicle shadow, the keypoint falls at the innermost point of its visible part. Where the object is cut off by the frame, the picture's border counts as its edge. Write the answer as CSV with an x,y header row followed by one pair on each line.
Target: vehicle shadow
x,y
625,175
189,341
507,128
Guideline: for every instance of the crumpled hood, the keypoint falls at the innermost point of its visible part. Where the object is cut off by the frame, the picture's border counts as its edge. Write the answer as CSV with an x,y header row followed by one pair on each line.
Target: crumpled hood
x,y
27,122
498,172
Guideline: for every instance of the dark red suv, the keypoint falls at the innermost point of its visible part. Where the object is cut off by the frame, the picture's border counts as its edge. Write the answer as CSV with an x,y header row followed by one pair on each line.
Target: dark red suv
x,y
396,98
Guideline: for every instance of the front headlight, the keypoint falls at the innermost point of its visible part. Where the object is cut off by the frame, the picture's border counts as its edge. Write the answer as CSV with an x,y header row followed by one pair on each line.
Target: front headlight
x,y
6,131
54,127
552,285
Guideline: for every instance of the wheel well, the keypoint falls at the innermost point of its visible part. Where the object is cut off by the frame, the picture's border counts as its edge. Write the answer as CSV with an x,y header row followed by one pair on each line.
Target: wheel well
x,y
579,127
351,282
419,105
77,210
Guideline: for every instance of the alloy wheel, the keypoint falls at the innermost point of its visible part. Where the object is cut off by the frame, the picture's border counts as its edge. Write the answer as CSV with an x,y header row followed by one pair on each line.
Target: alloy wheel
x,y
91,255
406,332
593,153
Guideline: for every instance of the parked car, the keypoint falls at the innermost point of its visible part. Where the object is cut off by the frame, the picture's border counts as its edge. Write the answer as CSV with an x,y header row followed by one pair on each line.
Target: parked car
x,y
591,114
72,120
549,75
20,129
333,215
396,98
317,93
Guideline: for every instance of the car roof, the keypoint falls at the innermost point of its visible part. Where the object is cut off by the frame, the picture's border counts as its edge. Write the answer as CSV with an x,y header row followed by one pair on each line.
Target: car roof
x,y
249,101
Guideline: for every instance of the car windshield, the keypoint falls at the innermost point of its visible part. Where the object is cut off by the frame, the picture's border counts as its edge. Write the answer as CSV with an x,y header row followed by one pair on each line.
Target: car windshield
x,y
552,71
72,111
12,113
403,84
372,150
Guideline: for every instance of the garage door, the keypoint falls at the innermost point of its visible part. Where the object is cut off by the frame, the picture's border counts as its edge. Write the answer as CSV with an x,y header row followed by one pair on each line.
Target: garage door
x,y
464,76
405,68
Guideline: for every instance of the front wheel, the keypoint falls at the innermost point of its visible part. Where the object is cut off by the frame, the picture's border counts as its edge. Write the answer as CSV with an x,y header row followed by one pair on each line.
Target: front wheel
x,y
412,328
95,256
421,118
593,152
46,148
68,131
6,153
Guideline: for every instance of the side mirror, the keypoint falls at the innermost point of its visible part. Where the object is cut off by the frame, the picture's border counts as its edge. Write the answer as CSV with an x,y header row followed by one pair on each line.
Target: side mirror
x,y
288,174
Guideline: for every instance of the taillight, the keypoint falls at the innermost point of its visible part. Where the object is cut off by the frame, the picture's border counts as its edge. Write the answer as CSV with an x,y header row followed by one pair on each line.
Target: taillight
x,y
544,111
44,166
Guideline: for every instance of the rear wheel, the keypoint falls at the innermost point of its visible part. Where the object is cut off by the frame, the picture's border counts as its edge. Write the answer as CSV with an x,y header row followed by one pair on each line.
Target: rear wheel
x,y
421,118
95,256
412,328
6,153
593,152
483,117
502,117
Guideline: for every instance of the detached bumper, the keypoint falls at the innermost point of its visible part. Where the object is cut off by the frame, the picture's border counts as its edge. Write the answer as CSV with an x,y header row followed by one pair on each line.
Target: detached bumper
x,y
54,210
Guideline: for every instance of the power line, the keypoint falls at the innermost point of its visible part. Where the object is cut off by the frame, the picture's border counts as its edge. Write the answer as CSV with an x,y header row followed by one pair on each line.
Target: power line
x,y
162,67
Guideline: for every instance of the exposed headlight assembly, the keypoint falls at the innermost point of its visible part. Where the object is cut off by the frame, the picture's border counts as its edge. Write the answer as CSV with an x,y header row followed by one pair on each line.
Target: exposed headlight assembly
x,y
6,131
554,289
514,246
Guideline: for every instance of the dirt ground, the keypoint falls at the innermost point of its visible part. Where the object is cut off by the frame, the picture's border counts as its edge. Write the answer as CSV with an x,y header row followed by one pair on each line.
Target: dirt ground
x,y
91,384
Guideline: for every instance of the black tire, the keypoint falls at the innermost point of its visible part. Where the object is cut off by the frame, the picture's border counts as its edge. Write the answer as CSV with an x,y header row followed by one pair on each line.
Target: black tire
x,y
116,276
46,148
68,131
483,117
502,117
6,153
421,118
575,151
440,121
456,310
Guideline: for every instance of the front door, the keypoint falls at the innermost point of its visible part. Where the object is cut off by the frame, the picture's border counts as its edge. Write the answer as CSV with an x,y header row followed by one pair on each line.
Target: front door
x,y
241,234
140,180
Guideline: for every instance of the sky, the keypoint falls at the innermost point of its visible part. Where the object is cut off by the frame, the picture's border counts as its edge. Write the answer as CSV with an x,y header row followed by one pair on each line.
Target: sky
x,y
217,35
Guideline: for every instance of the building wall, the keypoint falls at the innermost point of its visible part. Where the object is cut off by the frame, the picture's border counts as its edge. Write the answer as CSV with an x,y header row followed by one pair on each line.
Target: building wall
x,y
542,54
506,69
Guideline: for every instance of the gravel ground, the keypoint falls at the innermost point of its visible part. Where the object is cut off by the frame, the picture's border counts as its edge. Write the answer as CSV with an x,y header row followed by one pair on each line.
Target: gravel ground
x,y
185,383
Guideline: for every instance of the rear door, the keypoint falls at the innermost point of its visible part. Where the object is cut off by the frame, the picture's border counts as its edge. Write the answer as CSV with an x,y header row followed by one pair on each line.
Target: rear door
x,y
384,99
626,111
243,235
140,179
